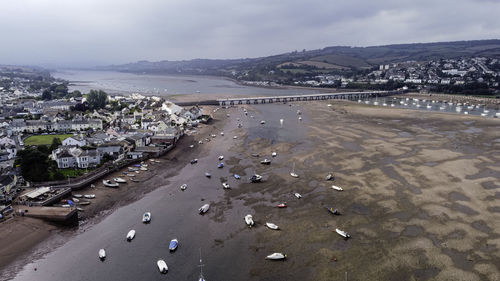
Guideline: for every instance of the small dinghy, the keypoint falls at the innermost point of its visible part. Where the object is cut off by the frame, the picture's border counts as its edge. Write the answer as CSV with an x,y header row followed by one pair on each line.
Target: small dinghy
x,y
256,178
200,142
79,209
76,200
146,218
249,220
235,137
276,256
226,185
162,266
342,233
204,209
298,195
77,195
130,235
108,183
174,243
333,211
83,203
274,154
262,122
194,161
221,133
265,162
183,187
282,205
338,188
131,175
255,155
221,165
292,173
208,175
330,177
221,157
272,226
191,146
143,169
236,176
120,180
102,254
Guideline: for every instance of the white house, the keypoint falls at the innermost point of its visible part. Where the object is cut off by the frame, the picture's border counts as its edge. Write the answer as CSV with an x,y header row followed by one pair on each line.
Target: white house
x,y
74,141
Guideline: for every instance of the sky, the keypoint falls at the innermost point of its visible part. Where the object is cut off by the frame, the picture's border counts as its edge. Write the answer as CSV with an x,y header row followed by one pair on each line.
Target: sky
x,y
102,32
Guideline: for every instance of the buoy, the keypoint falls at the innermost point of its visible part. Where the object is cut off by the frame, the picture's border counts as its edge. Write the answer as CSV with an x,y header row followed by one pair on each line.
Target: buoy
x,y
35,268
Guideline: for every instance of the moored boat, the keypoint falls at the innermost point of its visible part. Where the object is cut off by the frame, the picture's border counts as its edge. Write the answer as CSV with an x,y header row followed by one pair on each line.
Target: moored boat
x,y
174,243
130,235
249,220
120,180
272,226
256,178
338,188
203,209
109,183
332,210
265,162
146,218
236,176
342,233
162,266
225,185
221,157
143,168
208,175
297,195
274,154
183,187
330,177
77,195
276,256
282,205
102,254
83,203
221,165
194,161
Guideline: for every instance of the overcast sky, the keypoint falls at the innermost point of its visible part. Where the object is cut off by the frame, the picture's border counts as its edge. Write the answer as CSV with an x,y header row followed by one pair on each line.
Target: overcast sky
x,y
100,32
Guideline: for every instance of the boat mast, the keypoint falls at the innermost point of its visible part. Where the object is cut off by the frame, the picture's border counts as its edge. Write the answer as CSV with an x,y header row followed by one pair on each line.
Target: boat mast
x,y
201,265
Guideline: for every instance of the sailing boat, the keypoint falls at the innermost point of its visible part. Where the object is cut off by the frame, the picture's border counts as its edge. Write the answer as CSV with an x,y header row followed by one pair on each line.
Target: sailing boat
x,y
293,174
201,269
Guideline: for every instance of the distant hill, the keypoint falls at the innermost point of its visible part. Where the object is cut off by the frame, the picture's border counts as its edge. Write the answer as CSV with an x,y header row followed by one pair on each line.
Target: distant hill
x,y
327,60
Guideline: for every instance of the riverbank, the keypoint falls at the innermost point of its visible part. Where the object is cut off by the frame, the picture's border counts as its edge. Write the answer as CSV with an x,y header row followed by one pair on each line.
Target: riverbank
x,y
491,103
21,235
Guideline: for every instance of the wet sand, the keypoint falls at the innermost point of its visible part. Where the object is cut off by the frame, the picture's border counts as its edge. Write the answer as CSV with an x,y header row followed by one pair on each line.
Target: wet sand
x,y
420,199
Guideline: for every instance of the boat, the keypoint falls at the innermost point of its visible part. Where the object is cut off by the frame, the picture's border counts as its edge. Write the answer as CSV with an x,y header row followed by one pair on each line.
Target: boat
x,y
84,203
255,155
174,243
298,195
109,183
200,142
330,177
102,254
183,187
272,226
274,154
76,200
132,169
92,185
130,235
342,233
265,162
77,195
256,178
144,165
120,180
236,176
191,146
130,175
235,137
194,161
221,133
221,157
89,196
282,205
262,122
204,209
221,165
143,169
337,187
162,266
134,180
208,175
226,185
276,256
249,220
300,118
333,211
79,209
201,278
146,218
66,206
292,173
137,172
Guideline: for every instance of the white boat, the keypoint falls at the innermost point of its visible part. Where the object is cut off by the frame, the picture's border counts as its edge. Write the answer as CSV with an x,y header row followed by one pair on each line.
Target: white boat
x,y
262,122
235,137
143,169
272,226
77,195
130,175
276,256
200,142
429,106
300,118
256,178
274,154
183,187
191,146
225,185
144,165
442,107
249,220
484,114
342,233
146,218
130,235
393,105
337,188
102,254
162,266
466,112
221,133
79,209
292,173
330,105
66,206
109,183
221,157
298,195
265,162
204,208
120,180
384,104
76,200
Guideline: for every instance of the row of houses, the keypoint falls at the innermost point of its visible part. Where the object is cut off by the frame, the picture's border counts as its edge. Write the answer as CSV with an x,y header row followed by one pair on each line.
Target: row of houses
x,y
34,126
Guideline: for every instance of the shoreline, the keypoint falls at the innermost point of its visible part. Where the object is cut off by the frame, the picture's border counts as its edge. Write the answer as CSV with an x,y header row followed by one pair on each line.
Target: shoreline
x,y
24,235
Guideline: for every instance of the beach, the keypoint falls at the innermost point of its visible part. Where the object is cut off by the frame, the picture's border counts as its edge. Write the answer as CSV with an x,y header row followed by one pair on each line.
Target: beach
x,y
420,200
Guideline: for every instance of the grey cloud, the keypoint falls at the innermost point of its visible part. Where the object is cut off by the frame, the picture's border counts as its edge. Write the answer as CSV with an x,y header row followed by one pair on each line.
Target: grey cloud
x,y
90,32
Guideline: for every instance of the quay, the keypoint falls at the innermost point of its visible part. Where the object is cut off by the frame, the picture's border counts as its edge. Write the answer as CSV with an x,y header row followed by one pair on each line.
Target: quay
x,y
308,97
56,214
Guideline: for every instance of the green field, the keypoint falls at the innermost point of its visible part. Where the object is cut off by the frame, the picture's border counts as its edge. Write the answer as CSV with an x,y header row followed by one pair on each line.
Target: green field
x,y
44,139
